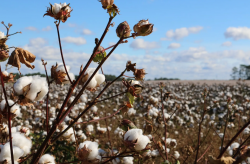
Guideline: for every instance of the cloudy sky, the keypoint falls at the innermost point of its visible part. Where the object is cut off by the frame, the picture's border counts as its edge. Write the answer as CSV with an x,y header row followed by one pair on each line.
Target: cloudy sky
x,y
191,40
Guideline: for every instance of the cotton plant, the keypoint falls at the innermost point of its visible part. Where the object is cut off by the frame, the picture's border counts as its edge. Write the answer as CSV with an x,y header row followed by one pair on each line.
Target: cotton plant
x,y
5,155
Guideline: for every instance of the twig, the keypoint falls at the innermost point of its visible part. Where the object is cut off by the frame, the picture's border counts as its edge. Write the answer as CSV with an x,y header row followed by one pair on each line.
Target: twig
x,y
9,117
204,153
60,45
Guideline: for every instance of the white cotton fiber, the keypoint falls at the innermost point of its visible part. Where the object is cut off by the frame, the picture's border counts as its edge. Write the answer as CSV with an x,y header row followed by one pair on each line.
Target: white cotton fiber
x,y
19,140
5,152
14,109
38,84
71,76
93,146
62,69
100,78
128,160
142,142
47,158
132,134
21,83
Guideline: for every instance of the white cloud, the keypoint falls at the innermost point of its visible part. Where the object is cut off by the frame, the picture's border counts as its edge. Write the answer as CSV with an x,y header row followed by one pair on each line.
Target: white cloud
x,y
48,28
181,32
141,44
226,44
71,24
237,33
87,32
31,28
174,46
76,41
37,42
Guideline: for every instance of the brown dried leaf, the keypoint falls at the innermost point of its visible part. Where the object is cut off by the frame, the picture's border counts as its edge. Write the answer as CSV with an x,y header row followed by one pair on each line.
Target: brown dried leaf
x,y
21,56
222,160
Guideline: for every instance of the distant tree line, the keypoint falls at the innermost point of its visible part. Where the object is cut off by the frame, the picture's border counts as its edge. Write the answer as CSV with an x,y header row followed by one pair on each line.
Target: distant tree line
x,y
164,78
108,77
243,72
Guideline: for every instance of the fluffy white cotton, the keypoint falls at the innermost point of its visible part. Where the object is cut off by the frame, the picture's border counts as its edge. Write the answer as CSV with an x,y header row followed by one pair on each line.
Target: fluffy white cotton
x,y
90,128
21,83
132,134
93,146
142,142
128,160
94,108
37,90
100,78
19,140
14,109
62,69
47,158
5,152
176,154
2,35
131,112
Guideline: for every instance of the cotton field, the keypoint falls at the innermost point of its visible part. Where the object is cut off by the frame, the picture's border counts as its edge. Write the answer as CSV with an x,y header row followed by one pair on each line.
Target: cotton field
x,y
112,132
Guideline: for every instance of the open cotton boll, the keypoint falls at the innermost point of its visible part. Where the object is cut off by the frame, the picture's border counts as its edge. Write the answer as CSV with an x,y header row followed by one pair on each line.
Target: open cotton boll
x,y
94,108
38,88
21,83
71,76
62,69
19,140
92,84
47,158
141,143
128,160
93,147
100,78
14,109
176,154
131,112
234,145
132,134
5,153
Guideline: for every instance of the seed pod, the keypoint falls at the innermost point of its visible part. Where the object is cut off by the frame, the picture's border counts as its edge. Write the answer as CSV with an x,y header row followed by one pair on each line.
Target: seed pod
x,y
106,3
143,28
123,30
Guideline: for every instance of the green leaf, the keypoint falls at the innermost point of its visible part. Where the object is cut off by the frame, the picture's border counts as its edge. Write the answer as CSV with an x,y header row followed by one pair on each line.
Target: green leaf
x,y
131,98
166,162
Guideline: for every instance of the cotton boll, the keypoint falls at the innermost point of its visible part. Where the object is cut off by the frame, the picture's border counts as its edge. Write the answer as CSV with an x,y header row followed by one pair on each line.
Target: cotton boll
x,y
71,76
5,153
131,112
47,158
132,134
38,88
128,160
93,146
22,142
92,84
141,143
14,109
176,154
100,78
94,108
21,83
234,145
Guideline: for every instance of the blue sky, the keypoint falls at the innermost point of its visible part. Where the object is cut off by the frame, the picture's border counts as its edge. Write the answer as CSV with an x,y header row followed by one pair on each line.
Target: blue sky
x,y
191,40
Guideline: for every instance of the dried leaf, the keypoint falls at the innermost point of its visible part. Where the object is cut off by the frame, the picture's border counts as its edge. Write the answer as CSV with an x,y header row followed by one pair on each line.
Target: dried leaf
x,y
19,56
222,160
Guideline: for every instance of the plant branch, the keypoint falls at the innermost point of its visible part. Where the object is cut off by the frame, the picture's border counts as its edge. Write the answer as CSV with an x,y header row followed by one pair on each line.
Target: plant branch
x,y
9,117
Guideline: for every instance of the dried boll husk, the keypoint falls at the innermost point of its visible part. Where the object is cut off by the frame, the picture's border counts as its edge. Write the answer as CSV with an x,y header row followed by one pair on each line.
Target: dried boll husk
x,y
4,52
123,30
19,56
143,28
106,3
